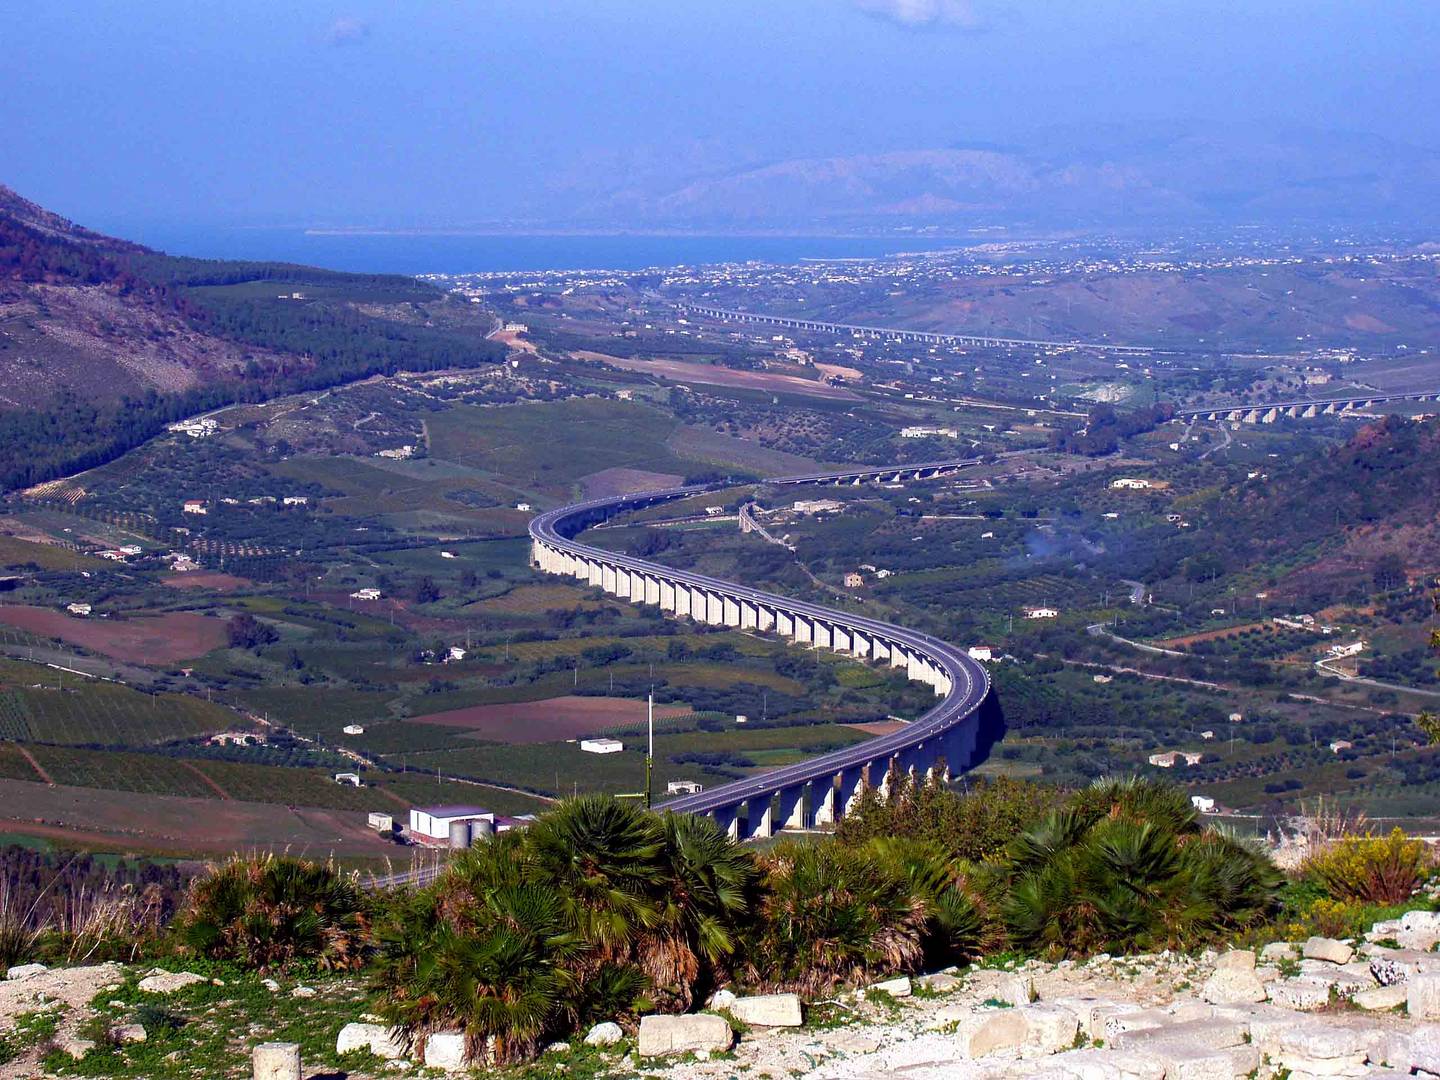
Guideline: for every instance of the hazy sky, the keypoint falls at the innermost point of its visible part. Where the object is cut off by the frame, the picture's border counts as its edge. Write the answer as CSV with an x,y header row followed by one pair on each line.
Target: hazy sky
x,y
406,111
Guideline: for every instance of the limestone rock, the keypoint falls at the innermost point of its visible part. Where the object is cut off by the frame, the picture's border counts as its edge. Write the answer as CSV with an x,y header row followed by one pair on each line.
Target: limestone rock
x,y
558,1047
1233,986
1276,951
1303,993
661,1035
898,988
276,1061
74,1047
939,982
167,982
1422,999
768,1010
722,999
25,971
445,1050
1206,1063
1106,1065
1321,948
992,1030
372,1037
1236,960
606,1034
303,992
1049,1028
128,1033
1382,997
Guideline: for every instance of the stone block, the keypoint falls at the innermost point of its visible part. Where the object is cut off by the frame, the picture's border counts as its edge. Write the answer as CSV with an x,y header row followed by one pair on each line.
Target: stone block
x,y
992,1030
1214,1033
939,982
1276,951
1418,1048
276,1061
606,1034
1205,1063
1093,1012
129,1033
1050,1028
722,999
661,1035
1107,1064
1233,986
167,982
1422,999
1322,948
1390,966
25,971
73,1047
372,1037
445,1050
768,1010
1236,960
1303,993
897,988
1382,997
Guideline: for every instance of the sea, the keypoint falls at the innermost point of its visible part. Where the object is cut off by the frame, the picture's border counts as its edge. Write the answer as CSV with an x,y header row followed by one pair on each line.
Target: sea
x,y
467,253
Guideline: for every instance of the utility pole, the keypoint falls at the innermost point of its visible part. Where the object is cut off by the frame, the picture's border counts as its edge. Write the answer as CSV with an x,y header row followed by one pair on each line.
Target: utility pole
x,y
650,751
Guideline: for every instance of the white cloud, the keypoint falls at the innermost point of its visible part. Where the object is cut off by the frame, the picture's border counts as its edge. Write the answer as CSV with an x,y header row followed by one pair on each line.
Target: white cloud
x,y
957,14
346,31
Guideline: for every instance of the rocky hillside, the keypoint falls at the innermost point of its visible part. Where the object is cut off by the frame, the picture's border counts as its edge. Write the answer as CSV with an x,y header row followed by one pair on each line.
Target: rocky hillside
x,y
1322,1007
103,341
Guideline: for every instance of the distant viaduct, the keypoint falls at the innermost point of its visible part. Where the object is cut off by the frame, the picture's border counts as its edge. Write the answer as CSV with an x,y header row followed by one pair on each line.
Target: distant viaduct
x,y
924,337
1272,411
949,738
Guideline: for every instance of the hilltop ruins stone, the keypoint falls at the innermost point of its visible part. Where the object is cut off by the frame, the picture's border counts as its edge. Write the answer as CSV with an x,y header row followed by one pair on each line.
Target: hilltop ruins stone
x,y
661,1035
372,1037
768,1010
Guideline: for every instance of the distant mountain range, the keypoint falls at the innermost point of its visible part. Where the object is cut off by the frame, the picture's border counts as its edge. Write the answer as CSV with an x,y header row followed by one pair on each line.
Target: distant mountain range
x,y
1061,177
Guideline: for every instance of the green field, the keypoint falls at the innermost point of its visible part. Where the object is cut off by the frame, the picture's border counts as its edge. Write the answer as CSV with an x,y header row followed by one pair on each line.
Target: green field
x,y
35,708
16,553
550,446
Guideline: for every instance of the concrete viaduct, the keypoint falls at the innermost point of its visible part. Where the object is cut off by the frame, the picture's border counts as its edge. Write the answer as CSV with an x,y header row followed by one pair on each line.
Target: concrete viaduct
x,y
1304,410
920,337
949,738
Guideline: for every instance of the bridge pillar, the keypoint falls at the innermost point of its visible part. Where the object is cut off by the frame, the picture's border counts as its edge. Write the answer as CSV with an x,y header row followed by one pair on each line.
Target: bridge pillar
x,y
882,766
749,615
822,634
597,573
804,630
728,818
666,589
785,624
714,609
861,644
880,650
652,590
759,818
622,583
729,611
899,656
764,617
792,806
822,801
841,639
607,577
852,786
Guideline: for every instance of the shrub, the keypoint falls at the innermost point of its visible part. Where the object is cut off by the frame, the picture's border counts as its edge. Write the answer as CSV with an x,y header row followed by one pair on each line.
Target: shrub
x,y
1371,869
268,911
1126,866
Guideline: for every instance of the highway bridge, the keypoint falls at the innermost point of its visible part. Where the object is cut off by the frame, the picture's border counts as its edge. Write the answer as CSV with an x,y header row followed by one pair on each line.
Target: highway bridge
x,y
950,737
1305,409
919,337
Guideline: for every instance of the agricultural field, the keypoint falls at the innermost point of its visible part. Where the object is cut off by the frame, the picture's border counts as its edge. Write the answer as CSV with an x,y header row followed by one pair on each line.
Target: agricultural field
x,y
547,720
142,639
41,704
17,553
547,448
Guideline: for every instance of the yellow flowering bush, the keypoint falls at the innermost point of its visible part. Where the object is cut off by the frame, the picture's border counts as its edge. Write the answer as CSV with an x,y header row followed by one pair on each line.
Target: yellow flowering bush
x,y
1371,869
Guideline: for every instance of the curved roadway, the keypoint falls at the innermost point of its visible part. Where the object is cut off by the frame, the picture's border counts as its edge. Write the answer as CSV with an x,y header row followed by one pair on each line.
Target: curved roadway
x,y
969,681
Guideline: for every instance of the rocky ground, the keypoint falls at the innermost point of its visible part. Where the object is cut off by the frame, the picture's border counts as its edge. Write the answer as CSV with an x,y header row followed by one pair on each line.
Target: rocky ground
x,y
1320,1008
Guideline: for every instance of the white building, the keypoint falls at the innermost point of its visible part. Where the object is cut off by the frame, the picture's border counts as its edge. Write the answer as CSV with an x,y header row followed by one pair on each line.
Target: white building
x,y
80,610
381,823
296,500
601,746
365,594
433,822
684,787
1349,648
1341,744
1042,613
1129,483
194,506
818,506
524,506
1203,803
981,652
920,432
351,778
456,653
353,729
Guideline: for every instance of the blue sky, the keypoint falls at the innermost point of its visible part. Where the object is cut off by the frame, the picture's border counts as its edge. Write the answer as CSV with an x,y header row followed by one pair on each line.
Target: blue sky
x,y
416,112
